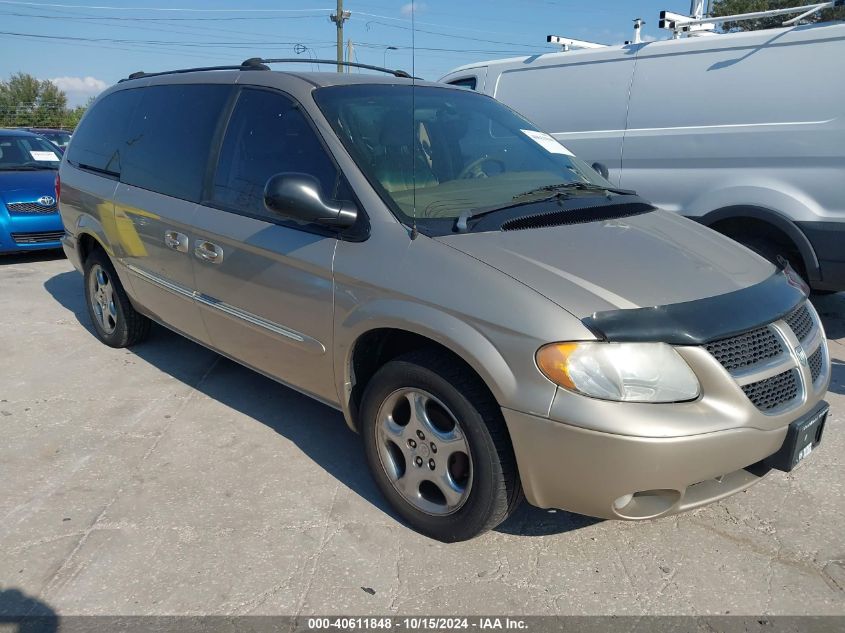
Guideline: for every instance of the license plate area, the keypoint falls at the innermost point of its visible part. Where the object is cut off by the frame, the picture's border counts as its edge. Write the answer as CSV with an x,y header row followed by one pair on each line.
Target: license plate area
x,y
802,437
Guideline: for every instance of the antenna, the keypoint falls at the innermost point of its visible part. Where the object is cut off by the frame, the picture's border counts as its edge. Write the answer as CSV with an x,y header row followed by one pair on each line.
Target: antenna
x,y
414,232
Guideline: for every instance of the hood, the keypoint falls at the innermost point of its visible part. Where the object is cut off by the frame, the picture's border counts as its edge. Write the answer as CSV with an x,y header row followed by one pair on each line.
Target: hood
x,y
654,259
26,186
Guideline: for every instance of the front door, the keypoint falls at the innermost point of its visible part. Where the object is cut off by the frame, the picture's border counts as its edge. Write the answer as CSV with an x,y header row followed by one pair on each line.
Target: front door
x,y
265,285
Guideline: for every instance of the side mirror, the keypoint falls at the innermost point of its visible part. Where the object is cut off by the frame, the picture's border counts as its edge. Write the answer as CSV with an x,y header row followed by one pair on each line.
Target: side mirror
x,y
602,169
297,197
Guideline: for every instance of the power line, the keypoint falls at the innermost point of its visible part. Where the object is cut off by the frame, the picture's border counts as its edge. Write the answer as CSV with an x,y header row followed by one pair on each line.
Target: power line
x,y
164,9
163,19
462,37
274,43
99,21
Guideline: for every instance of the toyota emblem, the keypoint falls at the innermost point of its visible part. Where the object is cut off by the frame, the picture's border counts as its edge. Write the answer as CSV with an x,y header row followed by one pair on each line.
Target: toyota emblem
x,y
46,201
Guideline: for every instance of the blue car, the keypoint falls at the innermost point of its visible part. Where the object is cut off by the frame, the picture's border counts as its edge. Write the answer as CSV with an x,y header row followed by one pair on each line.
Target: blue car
x,y
29,212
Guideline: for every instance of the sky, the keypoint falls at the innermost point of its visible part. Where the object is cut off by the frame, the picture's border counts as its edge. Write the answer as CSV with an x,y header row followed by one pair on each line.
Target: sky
x,y
84,46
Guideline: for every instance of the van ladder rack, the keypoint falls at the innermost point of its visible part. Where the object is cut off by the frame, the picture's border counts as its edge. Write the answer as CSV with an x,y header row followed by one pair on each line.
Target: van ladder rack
x,y
568,44
678,23
296,60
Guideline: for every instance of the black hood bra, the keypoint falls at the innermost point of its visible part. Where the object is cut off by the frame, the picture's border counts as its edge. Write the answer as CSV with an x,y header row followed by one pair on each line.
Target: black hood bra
x,y
704,320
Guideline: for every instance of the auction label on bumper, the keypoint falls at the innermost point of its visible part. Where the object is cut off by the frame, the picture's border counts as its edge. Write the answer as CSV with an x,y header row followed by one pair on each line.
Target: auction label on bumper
x,y
417,623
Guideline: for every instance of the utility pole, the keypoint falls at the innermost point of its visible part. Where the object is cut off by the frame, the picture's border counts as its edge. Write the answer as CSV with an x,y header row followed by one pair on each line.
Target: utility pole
x,y
339,18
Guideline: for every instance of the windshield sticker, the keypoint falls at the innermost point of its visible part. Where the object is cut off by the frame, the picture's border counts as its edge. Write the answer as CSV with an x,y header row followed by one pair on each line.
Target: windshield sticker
x,y
547,142
48,156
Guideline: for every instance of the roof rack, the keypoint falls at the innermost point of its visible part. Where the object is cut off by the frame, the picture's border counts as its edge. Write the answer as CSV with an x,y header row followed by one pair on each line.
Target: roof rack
x,y
334,62
568,44
698,23
256,63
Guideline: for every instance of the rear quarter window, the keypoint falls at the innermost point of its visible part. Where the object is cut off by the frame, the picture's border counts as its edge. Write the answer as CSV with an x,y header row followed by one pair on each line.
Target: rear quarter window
x,y
100,139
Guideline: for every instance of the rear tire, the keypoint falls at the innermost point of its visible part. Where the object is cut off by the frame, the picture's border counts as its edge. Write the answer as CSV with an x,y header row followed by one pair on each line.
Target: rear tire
x,y
438,448
116,322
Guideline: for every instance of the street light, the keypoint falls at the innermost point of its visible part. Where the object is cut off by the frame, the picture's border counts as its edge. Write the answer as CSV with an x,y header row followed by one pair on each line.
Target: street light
x,y
389,48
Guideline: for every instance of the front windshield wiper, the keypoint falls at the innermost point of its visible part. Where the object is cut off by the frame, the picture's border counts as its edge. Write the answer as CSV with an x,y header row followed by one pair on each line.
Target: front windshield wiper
x,y
560,190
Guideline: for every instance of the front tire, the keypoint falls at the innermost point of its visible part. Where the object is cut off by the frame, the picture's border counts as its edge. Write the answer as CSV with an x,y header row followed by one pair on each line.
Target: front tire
x,y
116,322
438,448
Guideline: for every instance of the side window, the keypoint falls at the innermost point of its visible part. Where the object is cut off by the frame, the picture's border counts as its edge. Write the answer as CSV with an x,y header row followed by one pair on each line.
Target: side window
x,y
169,139
467,82
100,140
267,135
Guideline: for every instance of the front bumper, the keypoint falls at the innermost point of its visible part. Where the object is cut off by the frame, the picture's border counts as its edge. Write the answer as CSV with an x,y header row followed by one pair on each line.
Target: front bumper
x,y
21,233
628,460
585,471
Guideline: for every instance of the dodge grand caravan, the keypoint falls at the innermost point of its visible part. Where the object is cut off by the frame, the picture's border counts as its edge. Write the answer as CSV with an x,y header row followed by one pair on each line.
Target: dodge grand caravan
x,y
491,314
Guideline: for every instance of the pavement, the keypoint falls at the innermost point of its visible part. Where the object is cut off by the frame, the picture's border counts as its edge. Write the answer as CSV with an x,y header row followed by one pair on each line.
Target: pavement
x,y
168,480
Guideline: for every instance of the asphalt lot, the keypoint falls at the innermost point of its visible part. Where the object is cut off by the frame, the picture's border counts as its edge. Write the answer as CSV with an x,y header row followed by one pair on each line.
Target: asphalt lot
x,y
167,480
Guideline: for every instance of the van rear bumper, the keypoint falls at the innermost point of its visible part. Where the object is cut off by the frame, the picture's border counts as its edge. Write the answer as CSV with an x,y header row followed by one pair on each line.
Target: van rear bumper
x,y
70,247
584,471
827,239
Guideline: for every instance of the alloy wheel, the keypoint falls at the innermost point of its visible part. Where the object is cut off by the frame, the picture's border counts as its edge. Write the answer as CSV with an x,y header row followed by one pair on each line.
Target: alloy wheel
x,y
424,451
102,298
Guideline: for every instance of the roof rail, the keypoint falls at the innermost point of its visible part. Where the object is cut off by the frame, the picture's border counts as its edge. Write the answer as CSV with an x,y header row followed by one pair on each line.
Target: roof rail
x,y
247,65
297,60
256,63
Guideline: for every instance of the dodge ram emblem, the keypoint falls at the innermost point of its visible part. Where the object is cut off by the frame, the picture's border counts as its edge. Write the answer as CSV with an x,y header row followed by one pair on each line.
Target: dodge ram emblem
x,y
802,355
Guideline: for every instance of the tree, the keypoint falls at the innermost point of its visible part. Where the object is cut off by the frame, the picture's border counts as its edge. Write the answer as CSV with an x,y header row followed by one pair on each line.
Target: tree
x,y
735,7
27,102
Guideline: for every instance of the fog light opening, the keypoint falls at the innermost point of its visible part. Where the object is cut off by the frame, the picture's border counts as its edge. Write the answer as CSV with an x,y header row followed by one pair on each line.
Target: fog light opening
x,y
622,501
646,504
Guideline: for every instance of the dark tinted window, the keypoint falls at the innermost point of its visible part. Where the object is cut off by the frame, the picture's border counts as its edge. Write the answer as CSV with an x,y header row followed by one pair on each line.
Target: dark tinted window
x,y
267,135
170,138
100,139
468,82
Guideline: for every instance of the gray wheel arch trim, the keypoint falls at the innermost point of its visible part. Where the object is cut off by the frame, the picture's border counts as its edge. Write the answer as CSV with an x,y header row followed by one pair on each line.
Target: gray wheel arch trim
x,y
777,220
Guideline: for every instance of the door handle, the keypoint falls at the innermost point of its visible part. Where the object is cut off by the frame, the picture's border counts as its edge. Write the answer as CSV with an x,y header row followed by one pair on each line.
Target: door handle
x,y
177,241
209,252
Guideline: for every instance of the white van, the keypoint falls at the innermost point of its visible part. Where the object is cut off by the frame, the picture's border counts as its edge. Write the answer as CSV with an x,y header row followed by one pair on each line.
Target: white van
x,y
744,132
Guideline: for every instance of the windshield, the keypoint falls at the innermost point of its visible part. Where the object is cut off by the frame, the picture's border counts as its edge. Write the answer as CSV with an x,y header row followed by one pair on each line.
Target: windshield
x,y
59,138
19,153
465,153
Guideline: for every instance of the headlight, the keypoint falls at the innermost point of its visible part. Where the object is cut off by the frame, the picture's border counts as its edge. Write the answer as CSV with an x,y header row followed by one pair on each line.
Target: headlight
x,y
629,372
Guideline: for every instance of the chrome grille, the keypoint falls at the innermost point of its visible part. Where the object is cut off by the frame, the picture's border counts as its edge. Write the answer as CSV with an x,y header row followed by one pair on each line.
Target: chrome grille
x,y
746,349
773,392
815,362
767,369
30,207
800,322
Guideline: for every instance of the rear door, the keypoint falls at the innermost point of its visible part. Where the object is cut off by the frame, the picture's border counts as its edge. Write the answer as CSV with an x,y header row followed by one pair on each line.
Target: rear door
x,y
162,170
265,284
